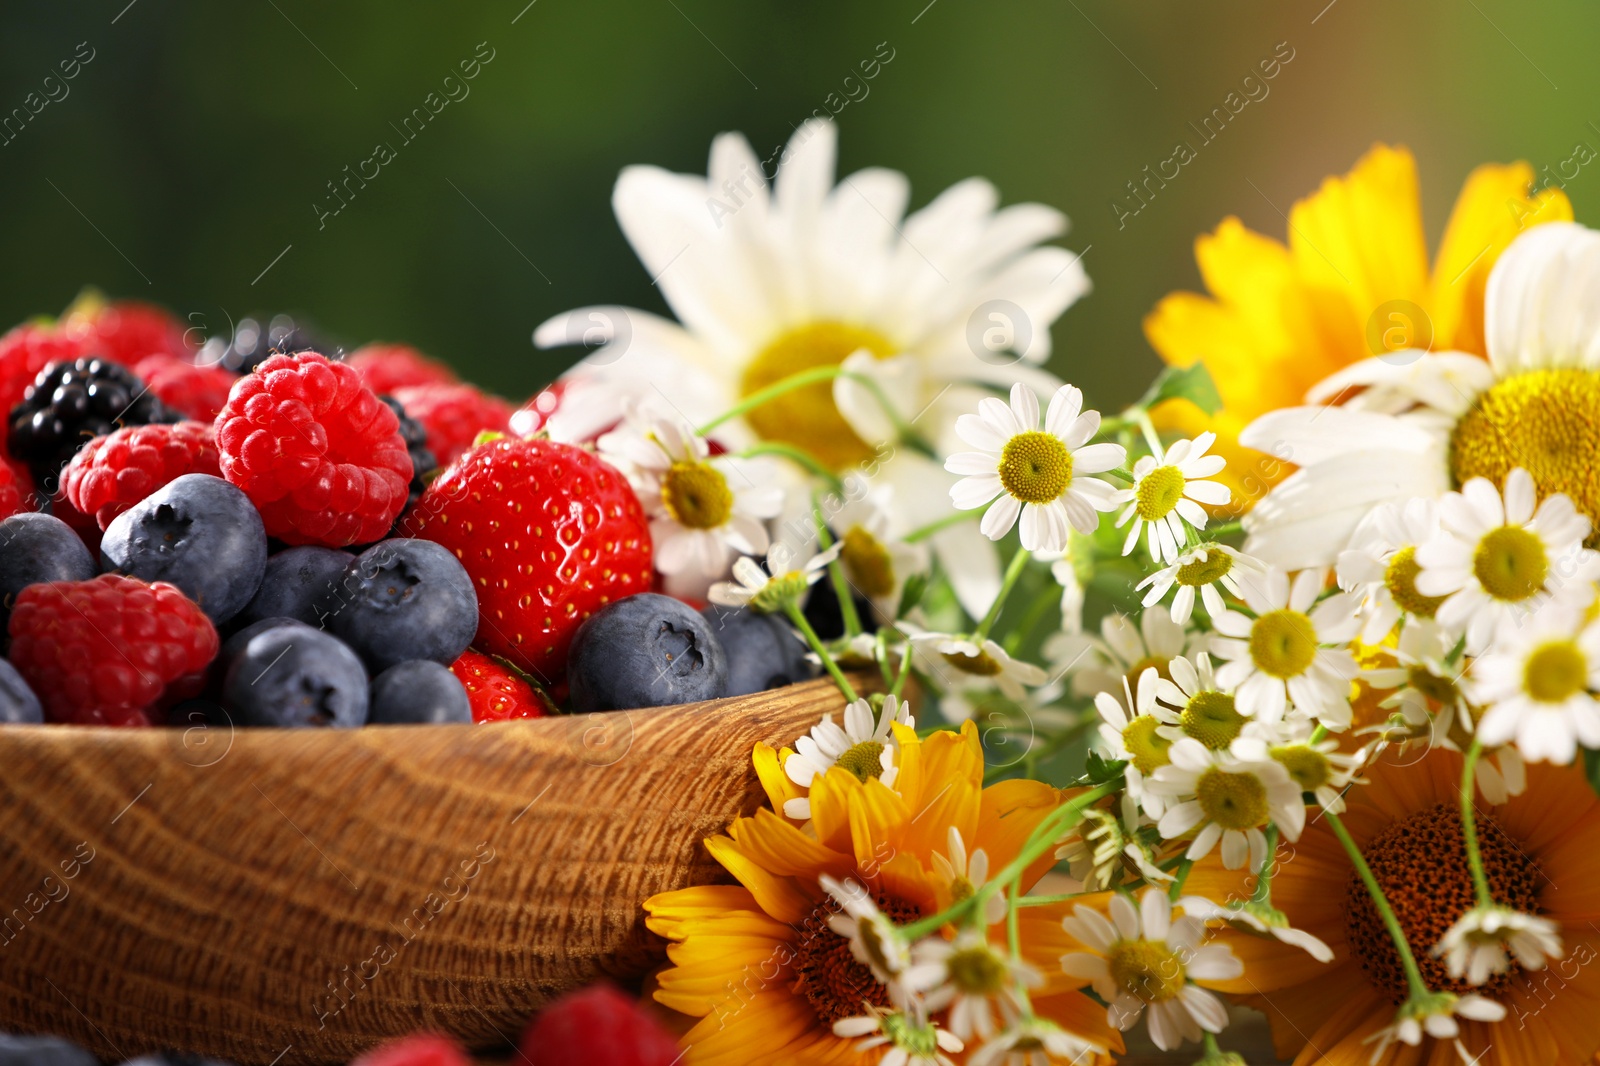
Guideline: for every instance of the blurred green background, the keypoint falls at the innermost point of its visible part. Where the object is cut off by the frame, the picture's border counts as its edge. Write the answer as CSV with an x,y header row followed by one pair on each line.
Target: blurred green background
x,y
188,153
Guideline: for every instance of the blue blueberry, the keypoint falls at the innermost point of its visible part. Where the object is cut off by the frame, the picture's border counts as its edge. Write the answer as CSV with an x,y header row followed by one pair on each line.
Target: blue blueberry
x,y
42,1051
236,643
35,548
763,652
197,532
645,651
293,675
295,582
18,704
419,692
403,599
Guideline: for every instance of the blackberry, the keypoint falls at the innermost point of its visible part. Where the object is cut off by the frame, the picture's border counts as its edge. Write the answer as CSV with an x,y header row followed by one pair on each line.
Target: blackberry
x,y
256,338
423,463
70,403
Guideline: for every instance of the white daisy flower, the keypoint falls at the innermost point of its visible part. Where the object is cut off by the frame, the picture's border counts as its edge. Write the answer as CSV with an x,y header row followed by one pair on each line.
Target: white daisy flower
x,y
1538,686
1065,569
866,746
1448,417
875,940
1138,739
1093,849
939,653
1427,694
1122,649
1200,707
1144,957
1477,945
703,511
967,975
1034,1041
1199,569
1229,799
1380,567
1495,561
768,590
876,561
1039,475
906,1040
1166,495
1436,1016
1291,650
1257,918
961,875
1315,766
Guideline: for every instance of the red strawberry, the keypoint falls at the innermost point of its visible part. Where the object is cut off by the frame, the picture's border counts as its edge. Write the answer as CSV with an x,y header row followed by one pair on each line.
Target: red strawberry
x,y
496,691
197,392
596,1026
418,1049
113,473
454,415
549,534
387,367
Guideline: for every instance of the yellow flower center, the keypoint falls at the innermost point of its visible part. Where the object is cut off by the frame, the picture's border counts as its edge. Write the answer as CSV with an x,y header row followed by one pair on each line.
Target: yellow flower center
x,y
1159,492
865,760
982,664
696,495
1555,672
961,889
1035,466
1213,567
806,417
1283,643
1161,664
1400,578
1510,563
1146,969
868,562
1210,718
1308,766
1440,690
1233,801
1147,749
1545,421
977,971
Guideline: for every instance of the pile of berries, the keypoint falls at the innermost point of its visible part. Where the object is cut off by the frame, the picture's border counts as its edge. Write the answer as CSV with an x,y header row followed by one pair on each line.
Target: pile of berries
x,y
260,531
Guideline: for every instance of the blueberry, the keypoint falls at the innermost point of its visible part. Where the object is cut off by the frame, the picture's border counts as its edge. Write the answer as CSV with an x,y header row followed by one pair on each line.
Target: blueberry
x,y
294,583
18,704
42,1051
173,1058
403,599
35,548
236,643
763,652
197,532
293,675
645,651
419,692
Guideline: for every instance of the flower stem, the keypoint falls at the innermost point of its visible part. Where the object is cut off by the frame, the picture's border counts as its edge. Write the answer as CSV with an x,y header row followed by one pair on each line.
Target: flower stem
x,y
841,584
800,457
1152,439
792,609
939,525
1018,563
1408,961
1469,823
1184,866
1263,892
770,393
899,685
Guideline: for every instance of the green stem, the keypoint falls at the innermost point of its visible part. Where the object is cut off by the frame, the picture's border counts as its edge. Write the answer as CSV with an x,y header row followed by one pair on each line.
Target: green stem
x,y
1208,1041
899,685
1184,866
841,584
770,393
1014,939
939,525
1419,987
800,457
1124,473
881,653
1152,439
1223,529
1018,563
1041,901
792,609
1469,823
1036,610
1263,892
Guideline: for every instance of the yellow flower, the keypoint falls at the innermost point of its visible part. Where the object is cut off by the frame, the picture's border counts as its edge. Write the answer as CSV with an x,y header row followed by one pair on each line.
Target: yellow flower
x,y
756,962
1352,282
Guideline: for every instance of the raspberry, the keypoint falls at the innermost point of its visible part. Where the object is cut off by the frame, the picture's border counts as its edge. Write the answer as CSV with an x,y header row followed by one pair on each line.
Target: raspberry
x,y
454,415
319,455
105,651
113,473
496,691
196,392
549,534
596,1026
127,331
16,489
24,353
387,367
418,1049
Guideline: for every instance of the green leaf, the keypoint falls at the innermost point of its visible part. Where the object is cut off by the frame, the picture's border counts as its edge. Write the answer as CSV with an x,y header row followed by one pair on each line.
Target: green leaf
x,y
1591,768
1192,383
1099,770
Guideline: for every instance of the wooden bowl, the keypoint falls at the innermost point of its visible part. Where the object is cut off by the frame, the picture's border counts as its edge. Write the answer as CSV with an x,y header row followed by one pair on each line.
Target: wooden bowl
x,y
288,896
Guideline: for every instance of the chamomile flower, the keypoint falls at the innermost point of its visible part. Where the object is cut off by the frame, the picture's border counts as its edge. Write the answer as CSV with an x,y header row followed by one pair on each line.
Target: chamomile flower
x,y
1538,685
970,977
1093,849
1425,686
876,561
1137,738
1259,918
1380,567
703,510
1142,958
875,940
1497,560
961,875
1434,1014
779,584
1199,569
1315,766
1098,663
1291,650
1064,568
1229,800
1034,1041
906,1040
1201,709
1039,475
1481,942
865,746
941,653
1164,500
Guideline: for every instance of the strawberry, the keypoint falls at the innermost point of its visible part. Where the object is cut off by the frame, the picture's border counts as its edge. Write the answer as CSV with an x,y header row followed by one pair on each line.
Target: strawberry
x,y
549,534
497,691
596,1026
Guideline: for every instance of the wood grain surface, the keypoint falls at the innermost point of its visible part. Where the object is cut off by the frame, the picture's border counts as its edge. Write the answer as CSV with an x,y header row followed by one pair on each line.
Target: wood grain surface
x,y
296,896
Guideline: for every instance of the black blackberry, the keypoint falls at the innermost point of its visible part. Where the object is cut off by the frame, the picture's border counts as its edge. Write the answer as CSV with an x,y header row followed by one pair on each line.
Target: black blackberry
x,y
255,338
423,463
72,402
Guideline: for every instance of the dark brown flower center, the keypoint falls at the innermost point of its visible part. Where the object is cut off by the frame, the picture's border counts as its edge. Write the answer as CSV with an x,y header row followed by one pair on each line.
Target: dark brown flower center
x,y
828,975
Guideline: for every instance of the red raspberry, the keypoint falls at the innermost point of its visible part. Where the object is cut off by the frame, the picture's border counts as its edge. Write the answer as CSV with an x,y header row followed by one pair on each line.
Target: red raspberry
x,y
548,532
26,350
596,1026
103,651
387,367
113,473
418,1049
496,691
16,489
454,415
127,331
197,392
319,455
